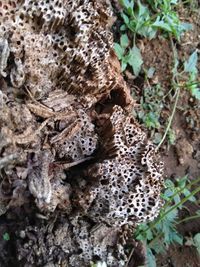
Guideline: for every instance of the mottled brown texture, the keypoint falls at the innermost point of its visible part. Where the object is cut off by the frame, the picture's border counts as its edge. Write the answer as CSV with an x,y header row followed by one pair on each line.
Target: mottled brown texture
x,y
57,65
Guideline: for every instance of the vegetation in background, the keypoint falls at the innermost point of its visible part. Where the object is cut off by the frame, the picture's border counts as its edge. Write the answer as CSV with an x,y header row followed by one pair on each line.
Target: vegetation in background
x,y
161,233
149,111
147,19
153,16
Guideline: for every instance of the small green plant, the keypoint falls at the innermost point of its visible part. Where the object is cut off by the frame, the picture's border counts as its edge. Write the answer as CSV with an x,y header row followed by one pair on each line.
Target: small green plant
x,y
181,80
196,242
128,56
150,110
6,236
159,234
151,106
146,20
190,68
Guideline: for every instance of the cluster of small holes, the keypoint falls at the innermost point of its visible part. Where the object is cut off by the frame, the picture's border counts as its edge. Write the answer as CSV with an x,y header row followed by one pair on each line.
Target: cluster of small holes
x,y
7,9
53,13
82,144
129,184
68,42
74,30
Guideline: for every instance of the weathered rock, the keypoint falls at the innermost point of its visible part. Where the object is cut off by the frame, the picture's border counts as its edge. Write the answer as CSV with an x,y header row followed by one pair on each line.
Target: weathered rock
x,y
74,169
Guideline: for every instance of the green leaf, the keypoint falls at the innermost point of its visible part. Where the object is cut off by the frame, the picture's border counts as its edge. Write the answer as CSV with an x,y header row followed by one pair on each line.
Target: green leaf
x,y
173,2
186,193
161,25
169,183
190,65
182,181
172,215
151,260
125,18
196,239
118,50
195,91
149,234
140,232
128,5
151,120
177,200
124,41
171,136
6,236
135,60
142,10
157,138
178,238
124,62
158,246
168,193
176,64
123,27
123,66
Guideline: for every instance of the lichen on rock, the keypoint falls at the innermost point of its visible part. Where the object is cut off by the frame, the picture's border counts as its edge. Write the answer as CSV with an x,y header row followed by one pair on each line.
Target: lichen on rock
x,y
73,160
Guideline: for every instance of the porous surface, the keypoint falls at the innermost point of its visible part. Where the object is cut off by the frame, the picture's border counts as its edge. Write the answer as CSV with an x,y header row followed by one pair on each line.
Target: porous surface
x,y
129,185
76,171
71,43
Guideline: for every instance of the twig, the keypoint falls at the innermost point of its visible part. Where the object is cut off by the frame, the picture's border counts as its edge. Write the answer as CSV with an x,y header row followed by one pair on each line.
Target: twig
x,y
71,164
177,94
189,218
129,257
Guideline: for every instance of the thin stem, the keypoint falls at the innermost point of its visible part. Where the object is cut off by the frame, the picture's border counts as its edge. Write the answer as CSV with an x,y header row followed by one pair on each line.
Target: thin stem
x,y
175,82
168,93
151,226
189,218
129,258
134,39
155,239
177,93
194,192
179,191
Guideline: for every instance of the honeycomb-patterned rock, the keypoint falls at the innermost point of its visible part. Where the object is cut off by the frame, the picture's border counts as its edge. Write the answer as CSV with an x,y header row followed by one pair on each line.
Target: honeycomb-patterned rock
x,y
77,141
129,185
47,55
76,171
